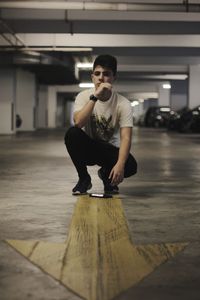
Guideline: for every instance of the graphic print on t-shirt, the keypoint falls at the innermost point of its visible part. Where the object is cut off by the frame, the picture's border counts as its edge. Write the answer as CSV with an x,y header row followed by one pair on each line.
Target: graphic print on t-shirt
x,y
102,128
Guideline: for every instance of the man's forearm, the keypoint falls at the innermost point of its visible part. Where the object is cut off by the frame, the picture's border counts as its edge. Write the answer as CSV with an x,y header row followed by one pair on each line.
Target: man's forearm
x,y
124,152
81,117
125,145
117,173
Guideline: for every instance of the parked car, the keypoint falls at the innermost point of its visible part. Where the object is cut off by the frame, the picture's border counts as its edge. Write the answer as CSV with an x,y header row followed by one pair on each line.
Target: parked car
x,y
174,122
185,120
190,121
157,116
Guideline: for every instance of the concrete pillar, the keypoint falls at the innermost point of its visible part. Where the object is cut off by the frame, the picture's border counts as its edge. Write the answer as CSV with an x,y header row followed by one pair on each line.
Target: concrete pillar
x,y
164,96
194,86
51,107
179,94
41,119
138,110
26,99
149,103
7,101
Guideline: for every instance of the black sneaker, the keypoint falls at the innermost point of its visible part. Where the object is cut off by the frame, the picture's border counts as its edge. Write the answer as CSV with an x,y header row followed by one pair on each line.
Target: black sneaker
x,y
108,188
82,186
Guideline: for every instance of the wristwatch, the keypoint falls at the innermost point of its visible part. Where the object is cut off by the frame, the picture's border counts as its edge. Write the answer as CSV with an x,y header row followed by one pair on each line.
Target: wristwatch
x,y
93,98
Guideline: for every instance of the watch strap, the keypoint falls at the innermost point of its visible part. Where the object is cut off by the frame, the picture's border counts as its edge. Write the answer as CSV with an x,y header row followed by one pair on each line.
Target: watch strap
x,y
93,98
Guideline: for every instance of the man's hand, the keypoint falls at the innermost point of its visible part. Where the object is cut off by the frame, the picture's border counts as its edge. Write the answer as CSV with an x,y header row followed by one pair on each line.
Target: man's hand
x,y
104,91
117,174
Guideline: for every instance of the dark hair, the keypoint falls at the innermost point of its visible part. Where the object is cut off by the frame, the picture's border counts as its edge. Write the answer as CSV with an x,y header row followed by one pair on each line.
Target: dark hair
x,y
106,61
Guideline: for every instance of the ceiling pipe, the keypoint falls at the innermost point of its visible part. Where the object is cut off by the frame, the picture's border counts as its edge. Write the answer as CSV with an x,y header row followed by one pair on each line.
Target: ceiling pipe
x,y
84,5
45,49
7,39
18,40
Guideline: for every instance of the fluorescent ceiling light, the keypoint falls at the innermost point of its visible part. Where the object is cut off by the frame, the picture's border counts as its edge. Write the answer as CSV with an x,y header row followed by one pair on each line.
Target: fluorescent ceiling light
x,y
86,85
174,76
84,65
166,86
134,103
165,76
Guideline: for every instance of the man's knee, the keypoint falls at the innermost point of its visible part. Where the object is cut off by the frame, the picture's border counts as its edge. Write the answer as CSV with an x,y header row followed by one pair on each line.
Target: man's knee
x,y
134,167
131,167
72,133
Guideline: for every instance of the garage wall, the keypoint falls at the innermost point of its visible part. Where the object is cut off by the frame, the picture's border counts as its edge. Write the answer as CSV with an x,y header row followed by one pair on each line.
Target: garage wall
x,y
41,116
7,99
26,99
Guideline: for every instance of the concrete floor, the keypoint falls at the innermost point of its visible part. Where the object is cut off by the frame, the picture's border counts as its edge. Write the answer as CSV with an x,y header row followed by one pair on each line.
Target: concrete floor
x,y
161,204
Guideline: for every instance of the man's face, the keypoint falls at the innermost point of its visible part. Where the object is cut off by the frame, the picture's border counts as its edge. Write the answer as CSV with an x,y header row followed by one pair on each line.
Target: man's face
x,y
101,74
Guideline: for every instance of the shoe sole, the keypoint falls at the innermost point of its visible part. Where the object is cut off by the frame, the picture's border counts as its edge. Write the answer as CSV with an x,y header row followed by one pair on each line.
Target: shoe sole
x,y
79,193
111,192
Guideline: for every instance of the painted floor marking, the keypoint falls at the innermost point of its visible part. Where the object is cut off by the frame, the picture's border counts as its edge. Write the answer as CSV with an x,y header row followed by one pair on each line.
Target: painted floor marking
x,y
98,260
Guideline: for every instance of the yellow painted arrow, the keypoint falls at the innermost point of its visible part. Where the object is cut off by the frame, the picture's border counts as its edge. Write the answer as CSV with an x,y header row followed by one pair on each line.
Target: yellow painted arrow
x,y
98,259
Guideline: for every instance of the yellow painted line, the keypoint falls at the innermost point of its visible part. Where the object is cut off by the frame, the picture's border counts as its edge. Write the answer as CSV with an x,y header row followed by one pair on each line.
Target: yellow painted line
x,y
98,260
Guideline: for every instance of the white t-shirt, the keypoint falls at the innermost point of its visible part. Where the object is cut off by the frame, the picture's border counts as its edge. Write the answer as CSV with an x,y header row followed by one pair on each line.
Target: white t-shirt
x,y
107,117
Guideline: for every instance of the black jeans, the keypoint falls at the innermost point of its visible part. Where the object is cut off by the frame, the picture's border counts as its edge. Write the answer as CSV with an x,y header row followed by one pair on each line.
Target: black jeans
x,y
85,151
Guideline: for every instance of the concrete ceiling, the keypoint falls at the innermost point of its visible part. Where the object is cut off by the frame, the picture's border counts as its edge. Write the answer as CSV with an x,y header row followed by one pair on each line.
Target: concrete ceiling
x,y
151,40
